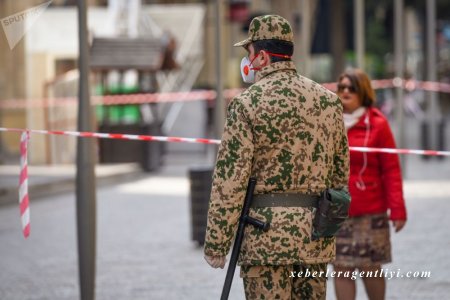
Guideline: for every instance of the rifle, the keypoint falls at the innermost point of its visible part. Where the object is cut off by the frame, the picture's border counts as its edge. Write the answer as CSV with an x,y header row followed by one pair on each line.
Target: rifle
x,y
243,220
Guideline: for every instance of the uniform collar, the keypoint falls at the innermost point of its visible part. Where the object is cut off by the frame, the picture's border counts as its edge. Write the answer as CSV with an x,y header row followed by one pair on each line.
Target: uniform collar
x,y
274,67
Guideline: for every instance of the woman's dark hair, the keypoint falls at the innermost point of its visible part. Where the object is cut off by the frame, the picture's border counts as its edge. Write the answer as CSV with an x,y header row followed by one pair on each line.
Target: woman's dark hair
x,y
361,82
275,46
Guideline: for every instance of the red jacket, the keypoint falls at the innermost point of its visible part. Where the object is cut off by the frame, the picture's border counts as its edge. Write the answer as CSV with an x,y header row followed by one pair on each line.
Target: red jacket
x,y
375,182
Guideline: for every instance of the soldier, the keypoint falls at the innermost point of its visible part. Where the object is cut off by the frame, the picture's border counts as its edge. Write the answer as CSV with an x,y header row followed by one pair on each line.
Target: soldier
x,y
287,132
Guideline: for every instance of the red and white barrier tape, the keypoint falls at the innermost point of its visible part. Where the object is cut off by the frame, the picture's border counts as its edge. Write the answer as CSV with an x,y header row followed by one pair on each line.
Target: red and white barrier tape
x,y
23,184
431,86
203,95
208,95
204,141
401,151
118,136
24,202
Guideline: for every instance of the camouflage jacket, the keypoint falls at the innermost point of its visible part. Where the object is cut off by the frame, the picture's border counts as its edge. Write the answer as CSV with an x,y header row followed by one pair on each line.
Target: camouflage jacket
x,y
288,132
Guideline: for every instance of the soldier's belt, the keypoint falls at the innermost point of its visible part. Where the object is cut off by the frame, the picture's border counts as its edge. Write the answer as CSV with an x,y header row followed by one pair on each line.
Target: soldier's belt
x,y
284,200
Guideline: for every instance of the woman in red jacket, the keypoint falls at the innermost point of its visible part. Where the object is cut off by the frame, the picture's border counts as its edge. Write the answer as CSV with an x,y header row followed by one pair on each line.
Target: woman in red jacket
x,y
375,185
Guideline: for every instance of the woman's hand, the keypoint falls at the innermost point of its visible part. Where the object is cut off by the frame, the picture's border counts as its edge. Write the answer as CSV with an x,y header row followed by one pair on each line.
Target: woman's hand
x,y
398,224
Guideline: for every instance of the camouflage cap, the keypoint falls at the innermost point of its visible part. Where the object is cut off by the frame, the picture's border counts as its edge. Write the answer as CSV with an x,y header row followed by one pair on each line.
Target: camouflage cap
x,y
268,27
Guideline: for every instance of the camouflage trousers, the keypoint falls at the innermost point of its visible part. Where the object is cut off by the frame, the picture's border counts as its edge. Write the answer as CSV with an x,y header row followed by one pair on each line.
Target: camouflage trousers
x,y
285,282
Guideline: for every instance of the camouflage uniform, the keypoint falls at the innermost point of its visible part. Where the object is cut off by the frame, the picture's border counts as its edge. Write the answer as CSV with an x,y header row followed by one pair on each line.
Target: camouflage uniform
x,y
287,131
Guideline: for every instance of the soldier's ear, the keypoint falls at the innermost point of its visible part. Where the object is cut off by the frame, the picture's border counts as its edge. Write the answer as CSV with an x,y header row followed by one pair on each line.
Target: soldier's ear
x,y
265,58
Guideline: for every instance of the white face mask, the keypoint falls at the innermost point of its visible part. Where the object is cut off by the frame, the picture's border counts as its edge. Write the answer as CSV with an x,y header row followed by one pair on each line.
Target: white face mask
x,y
247,70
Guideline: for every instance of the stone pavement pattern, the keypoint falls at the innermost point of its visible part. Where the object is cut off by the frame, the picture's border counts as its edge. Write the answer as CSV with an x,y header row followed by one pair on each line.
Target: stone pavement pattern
x,y
46,180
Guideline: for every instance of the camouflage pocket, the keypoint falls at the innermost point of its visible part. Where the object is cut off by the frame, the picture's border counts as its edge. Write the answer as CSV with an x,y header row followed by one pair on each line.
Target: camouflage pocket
x,y
251,271
256,271
267,282
331,213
